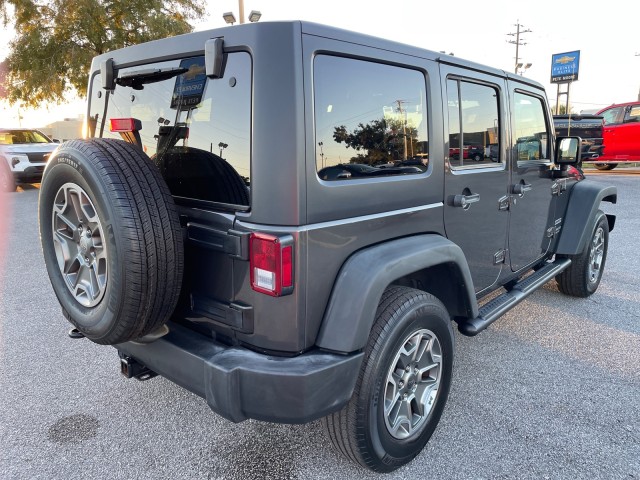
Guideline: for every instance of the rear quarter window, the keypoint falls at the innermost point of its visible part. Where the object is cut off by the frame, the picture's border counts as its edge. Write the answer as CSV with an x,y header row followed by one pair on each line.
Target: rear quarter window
x,y
371,119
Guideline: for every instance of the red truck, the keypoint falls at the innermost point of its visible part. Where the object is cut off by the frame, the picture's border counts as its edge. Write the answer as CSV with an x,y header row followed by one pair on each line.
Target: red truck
x,y
621,135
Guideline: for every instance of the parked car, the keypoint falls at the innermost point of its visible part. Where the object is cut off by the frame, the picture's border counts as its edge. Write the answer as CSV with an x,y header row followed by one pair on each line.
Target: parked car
x,y
590,128
318,294
473,152
26,152
355,170
621,135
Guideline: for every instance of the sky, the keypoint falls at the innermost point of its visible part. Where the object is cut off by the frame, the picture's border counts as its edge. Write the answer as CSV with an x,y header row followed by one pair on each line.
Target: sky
x,y
606,36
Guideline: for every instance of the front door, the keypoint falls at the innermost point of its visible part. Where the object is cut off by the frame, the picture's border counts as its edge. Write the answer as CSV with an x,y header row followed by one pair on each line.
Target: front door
x,y
475,211
532,188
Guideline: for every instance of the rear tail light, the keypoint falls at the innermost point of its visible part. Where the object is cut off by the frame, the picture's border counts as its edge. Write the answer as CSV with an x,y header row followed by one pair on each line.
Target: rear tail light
x,y
128,128
118,125
271,264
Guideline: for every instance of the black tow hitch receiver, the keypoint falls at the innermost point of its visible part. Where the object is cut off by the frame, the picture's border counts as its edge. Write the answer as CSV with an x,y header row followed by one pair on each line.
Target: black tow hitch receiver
x,y
131,368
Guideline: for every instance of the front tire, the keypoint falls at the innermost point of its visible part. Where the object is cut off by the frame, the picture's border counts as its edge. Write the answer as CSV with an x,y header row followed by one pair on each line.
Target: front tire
x,y
403,384
605,166
583,276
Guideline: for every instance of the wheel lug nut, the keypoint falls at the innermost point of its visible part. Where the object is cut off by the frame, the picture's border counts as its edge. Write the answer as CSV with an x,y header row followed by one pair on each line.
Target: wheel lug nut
x,y
401,384
404,397
408,369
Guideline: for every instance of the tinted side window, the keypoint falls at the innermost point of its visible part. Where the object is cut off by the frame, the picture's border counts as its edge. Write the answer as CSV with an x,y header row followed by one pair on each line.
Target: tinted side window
x,y
632,114
196,130
611,116
473,124
371,119
531,131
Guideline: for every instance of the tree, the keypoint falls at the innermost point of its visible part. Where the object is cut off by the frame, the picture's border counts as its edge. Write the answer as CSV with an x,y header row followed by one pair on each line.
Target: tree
x,y
563,110
56,39
382,139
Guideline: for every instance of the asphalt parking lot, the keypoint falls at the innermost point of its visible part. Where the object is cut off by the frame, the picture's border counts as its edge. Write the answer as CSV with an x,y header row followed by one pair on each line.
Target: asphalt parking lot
x,y
552,390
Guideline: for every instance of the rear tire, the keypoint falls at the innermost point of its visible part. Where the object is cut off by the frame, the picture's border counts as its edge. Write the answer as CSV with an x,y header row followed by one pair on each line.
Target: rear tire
x,y
605,166
403,384
111,239
583,276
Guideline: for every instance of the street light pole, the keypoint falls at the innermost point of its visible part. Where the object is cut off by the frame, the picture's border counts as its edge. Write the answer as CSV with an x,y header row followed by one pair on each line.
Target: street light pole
x,y
222,146
241,10
320,144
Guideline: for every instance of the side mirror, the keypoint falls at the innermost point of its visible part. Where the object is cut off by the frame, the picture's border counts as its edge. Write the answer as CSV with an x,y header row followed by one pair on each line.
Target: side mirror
x,y
568,150
214,58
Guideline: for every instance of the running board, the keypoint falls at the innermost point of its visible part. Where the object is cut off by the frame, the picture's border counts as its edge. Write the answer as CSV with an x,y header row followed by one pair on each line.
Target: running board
x,y
497,307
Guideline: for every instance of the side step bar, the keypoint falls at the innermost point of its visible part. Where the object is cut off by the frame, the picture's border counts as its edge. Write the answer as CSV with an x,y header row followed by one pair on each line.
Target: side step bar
x,y
497,307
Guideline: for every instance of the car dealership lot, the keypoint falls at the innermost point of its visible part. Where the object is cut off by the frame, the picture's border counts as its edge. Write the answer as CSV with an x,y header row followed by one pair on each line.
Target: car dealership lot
x,y
550,391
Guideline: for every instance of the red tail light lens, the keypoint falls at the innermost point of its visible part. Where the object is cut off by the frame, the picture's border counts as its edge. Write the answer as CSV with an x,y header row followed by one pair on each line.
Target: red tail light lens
x,y
124,125
271,264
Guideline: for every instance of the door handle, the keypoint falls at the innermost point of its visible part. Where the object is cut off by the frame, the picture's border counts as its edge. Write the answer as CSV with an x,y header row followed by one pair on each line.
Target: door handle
x,y
521,188
465,201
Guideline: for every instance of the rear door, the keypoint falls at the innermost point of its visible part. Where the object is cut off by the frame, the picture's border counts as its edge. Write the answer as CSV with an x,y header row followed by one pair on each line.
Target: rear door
x,y
198,133
628,133
612,120
531,188
476,214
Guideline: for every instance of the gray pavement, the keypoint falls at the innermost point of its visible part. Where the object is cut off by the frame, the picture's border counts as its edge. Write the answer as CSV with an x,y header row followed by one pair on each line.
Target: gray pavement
x,y
552,390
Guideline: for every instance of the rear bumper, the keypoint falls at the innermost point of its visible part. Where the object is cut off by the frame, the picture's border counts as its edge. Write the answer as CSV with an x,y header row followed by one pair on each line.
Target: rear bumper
x,y
238,383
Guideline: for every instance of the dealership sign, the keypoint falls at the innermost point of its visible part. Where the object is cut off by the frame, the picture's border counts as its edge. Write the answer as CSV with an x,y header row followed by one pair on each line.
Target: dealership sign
x,y
565,66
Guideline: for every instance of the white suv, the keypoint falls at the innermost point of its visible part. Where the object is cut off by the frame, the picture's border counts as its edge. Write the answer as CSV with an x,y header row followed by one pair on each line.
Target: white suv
x,y
26,152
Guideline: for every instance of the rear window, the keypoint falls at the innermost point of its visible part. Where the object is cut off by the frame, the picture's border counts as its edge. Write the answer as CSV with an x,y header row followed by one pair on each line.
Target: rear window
x,y
196,130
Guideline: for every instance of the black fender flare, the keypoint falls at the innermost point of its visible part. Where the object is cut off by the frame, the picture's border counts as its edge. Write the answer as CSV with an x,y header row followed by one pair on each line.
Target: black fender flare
x,y
580,215
367,273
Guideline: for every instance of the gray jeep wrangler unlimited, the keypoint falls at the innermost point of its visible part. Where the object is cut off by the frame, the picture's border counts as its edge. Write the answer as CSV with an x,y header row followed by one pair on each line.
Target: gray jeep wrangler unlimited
x,y
270,215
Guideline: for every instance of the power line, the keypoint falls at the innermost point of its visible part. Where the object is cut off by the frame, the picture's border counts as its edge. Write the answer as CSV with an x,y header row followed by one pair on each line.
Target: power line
x,y
517,41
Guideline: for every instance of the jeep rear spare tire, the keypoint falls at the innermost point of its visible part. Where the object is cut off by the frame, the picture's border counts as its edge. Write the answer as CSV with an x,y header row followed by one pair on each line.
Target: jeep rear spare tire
x,y
111,239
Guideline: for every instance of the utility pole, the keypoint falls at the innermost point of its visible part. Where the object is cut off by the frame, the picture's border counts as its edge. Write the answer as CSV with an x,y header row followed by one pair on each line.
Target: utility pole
x,y
402,111
517,42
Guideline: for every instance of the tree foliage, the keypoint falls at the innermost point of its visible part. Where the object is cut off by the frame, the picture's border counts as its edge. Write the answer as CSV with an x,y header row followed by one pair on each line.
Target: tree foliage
x,y
382,139
563,109
56,39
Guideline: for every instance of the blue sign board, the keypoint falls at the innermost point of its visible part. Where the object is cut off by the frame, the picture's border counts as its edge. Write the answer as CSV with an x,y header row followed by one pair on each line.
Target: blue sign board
x,y
189,87
565,66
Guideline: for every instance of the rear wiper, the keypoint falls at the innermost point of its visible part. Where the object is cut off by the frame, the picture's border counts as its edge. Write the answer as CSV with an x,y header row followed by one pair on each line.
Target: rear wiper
x,y
138,78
